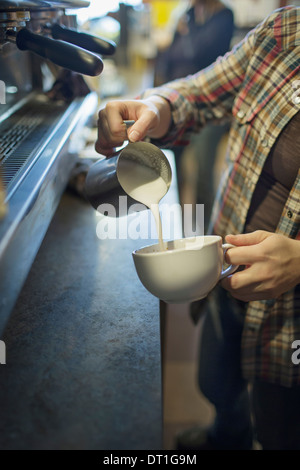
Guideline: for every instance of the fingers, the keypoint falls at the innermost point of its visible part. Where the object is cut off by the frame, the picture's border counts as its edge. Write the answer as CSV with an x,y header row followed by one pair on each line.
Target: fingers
x,y
246,239
247,250
248,285
243,255
142,126
237,284
268,259
112,131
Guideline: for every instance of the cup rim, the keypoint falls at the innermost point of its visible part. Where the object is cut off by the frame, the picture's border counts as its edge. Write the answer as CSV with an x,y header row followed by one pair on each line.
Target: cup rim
x,y
139,252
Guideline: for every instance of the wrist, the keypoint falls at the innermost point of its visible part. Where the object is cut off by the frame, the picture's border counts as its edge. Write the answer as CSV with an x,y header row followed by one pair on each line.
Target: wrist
x,y
164,116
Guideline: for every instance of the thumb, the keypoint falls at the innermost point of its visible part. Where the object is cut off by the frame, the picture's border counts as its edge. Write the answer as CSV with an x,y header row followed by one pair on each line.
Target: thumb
x,y
142,126
247,239
138,131
147,119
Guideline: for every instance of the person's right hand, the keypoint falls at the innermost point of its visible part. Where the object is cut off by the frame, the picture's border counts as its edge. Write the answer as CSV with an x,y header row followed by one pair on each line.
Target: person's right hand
x,y
152,118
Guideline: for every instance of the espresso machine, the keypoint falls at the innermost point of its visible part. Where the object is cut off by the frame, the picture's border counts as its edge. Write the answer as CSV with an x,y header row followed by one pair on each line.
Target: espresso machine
x,y
45,104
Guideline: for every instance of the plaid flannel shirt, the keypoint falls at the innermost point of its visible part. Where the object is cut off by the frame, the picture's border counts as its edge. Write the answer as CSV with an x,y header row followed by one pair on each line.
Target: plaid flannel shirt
x,y
255,85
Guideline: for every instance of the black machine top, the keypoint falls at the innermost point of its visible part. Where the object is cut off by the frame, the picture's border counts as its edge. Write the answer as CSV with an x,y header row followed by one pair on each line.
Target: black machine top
x,y
40,4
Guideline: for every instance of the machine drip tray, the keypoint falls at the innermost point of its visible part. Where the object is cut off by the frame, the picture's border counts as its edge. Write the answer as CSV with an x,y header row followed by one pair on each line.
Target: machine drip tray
x,y
39,147
22,137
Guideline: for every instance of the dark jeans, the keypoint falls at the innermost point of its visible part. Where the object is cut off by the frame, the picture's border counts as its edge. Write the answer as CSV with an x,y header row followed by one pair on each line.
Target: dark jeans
x,y
277,415
275,409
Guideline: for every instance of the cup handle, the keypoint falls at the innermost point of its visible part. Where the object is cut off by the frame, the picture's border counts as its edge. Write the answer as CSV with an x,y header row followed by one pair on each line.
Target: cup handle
x,y
232,268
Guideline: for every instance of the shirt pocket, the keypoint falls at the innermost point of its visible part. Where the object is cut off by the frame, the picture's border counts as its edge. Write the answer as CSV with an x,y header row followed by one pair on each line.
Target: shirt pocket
x,y
247,106
267,87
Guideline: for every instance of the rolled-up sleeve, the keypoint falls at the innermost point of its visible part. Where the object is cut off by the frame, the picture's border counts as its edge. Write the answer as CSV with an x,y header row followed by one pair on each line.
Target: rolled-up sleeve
x,y
206,96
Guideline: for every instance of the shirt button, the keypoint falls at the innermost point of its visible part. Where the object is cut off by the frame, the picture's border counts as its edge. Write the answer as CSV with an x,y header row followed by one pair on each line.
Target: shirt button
x,y
265,143
240,114
289,214
262,133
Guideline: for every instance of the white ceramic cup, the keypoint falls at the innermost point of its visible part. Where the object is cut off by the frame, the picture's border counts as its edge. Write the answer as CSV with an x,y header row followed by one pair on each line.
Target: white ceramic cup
x,y
187,270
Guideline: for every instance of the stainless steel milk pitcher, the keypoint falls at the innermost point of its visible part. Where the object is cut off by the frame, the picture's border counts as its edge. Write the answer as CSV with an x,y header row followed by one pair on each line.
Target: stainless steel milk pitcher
x,y
102,185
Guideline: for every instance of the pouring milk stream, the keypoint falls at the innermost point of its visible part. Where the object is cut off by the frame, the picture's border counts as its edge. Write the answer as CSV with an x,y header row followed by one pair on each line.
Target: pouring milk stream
x,y
144,183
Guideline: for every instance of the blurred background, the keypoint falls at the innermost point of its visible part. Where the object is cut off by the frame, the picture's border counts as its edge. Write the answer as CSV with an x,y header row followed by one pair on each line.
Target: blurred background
x,y
142,28
157,40
152,48
143,31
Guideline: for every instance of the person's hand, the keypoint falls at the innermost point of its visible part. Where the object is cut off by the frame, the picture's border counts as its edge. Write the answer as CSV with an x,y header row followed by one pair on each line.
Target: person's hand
x,y
152,118
272,265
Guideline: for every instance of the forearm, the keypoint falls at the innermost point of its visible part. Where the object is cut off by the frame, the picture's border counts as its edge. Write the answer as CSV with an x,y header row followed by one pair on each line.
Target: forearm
x,y
205,97
209,95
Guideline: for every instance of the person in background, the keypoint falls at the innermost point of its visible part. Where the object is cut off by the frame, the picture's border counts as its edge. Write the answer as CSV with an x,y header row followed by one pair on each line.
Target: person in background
x,y
204,32
251,333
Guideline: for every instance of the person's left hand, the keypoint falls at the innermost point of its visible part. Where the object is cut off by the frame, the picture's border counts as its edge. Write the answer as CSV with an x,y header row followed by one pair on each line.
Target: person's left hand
x,y
272,265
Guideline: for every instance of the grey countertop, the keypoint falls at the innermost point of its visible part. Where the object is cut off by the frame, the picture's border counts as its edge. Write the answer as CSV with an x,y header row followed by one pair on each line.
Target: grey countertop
x,y
83,344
